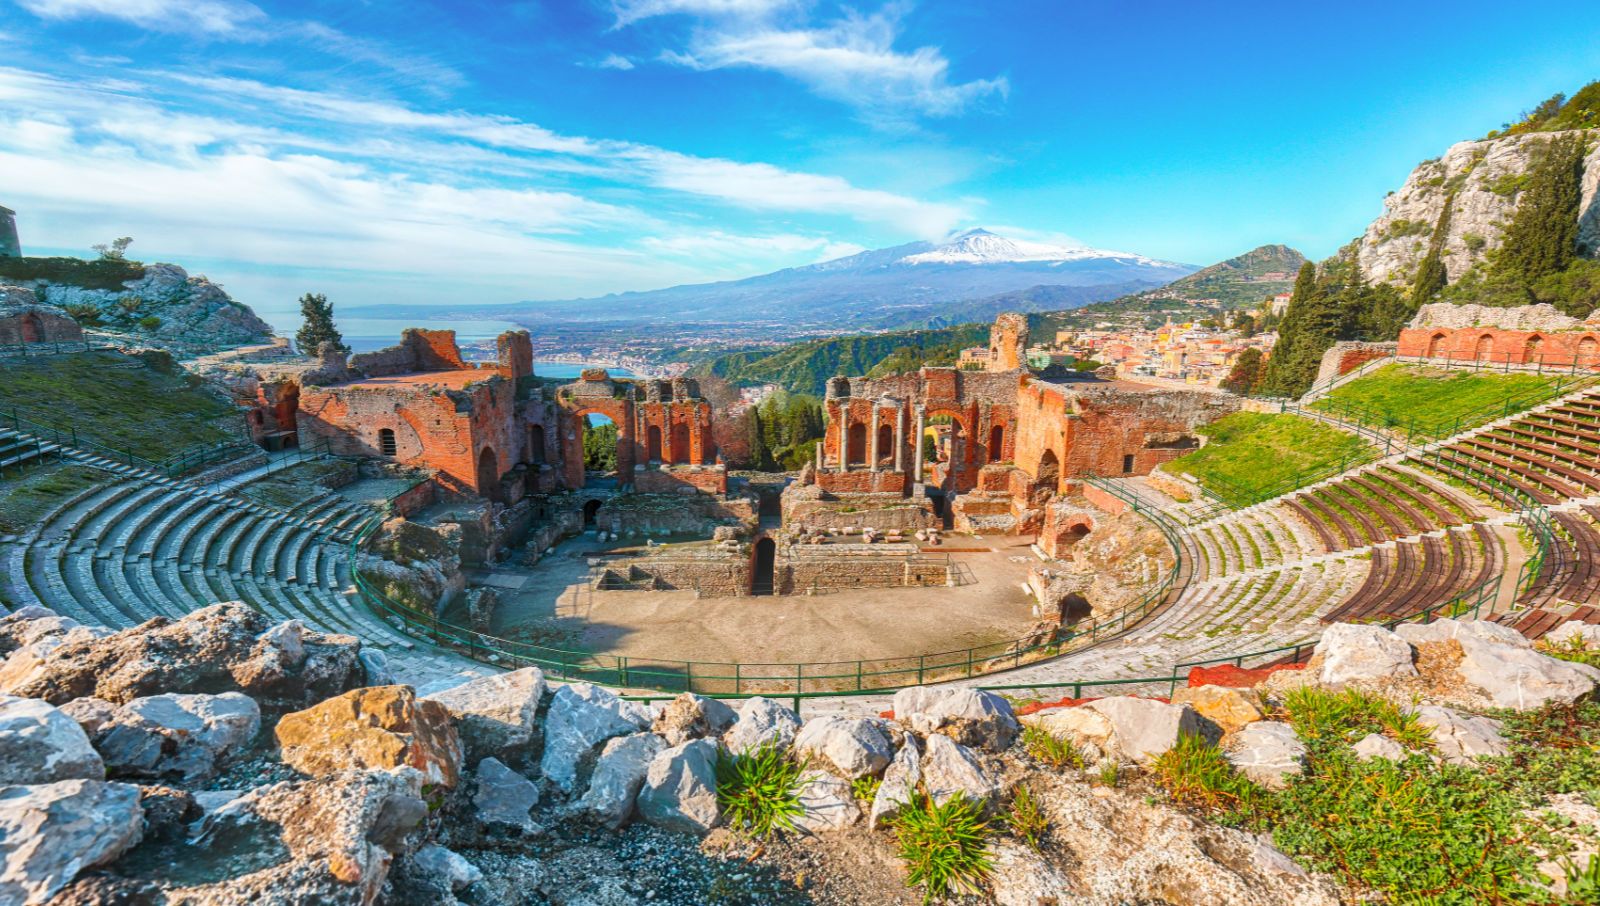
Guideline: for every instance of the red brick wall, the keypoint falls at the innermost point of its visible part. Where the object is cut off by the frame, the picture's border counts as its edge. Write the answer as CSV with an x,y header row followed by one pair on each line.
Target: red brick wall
x,y
709,479
1499,346
1111,504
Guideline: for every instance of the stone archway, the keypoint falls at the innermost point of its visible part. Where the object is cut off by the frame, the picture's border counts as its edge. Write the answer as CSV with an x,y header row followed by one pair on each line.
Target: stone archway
x,y
31,332
1483,351
1436,346
489,476
856,445
652,444
997,443
591,513
763,567
885,443
1588,352
1048,474
682,450
1533,350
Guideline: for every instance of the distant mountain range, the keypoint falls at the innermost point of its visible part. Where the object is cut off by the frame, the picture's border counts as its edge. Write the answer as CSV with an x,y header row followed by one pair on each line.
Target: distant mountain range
x,y
967,277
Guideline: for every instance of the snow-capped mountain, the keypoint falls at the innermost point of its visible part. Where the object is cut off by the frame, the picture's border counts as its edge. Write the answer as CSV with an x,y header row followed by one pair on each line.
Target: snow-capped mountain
x,y
949,281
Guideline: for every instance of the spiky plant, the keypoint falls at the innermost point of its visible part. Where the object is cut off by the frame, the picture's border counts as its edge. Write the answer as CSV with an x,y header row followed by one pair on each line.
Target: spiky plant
x,y
944,846
759,791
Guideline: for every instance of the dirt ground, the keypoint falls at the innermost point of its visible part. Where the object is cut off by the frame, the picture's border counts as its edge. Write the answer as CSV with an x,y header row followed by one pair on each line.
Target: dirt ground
x,y
551,604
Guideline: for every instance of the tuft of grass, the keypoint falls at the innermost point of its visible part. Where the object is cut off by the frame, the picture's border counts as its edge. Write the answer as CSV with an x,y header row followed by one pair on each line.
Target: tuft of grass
x,y
1110,774
1321,716
1050,751
1198,776
945,847
759,791
865,789
1573,649
1025,818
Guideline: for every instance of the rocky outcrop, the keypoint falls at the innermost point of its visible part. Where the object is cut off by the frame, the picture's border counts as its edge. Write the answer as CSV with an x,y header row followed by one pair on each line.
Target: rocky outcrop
x,y
187,736
380,727
971,717
582,717
416,565
51,831
1484,179
497,715
850,747
619,775
40,744
762,721
504,799
680,788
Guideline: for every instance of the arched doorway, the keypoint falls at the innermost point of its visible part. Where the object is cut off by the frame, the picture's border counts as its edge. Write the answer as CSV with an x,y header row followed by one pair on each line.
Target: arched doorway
x,y
536,444
652,444
591,511
856,452
1589,351
1048,475
997,443
386,443
1484,348
681,452
489,476
1436,346
30,328
885,443
762,570
1533,350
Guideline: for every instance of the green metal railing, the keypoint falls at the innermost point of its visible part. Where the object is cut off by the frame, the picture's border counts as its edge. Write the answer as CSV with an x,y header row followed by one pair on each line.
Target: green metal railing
x,y
802,679
171,467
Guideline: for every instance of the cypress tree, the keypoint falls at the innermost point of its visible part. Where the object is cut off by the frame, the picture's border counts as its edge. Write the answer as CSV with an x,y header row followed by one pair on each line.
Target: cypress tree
x,y
317,328
1431,275
1543,235
1283,366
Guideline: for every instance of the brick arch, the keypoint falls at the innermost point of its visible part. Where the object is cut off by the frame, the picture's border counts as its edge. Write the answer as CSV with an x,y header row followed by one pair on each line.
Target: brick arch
x,y
1532,349
1588,351
997,442
1048,471
1483,349
488,475
574,415
1436,344
855,444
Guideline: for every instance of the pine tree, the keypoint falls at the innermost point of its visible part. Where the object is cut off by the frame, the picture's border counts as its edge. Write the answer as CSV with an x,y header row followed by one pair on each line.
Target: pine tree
x,y
1543,235
1431,275
317,327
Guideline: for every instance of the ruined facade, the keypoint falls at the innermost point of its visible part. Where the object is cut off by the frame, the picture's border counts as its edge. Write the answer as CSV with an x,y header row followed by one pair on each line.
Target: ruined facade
x,y
1535,335
23,319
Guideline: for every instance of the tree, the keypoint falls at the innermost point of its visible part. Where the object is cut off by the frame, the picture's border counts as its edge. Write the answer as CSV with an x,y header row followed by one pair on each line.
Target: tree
x,y
317,327
1543,236
600,447
116,250
1431,274
1247,373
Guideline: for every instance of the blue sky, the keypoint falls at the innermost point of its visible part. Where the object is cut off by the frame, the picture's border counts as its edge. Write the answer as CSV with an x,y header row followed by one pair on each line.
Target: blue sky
x,y
420,151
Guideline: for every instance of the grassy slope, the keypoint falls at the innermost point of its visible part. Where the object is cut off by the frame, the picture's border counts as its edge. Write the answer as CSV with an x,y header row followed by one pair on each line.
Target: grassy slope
x,y
118,401
25,499
1250,450
1435,397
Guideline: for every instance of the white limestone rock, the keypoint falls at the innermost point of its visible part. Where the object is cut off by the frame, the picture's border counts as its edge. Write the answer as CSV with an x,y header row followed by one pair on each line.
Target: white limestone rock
x,y
691,716
1462,738
850,747
1357,653
448,865
950,768
680,788
189,736
827,803
1587,633
41,744
50,832
900,782
969,716
1022,877
1521,678
1088,730
1143,729
761,720
375,667
504,798
1443,630
496,715
618,775
1376,745
1267,752
581,717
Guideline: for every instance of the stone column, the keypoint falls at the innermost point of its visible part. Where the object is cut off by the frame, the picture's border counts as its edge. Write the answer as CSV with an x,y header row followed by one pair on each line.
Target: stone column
x,y
916,443
900,439
872,439
819,456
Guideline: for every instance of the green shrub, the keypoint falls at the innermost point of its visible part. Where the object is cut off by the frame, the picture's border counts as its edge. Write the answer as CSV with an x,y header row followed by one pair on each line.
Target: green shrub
x,y
759,791
1555,749
945,847
85,313
1026,820
1197,775
1323,717
1574,649
1050,751
865,788
149,322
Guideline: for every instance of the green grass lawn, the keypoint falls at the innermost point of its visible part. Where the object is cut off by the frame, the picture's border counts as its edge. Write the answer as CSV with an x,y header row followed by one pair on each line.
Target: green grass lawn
x,y
1434,402
119,401
1249,452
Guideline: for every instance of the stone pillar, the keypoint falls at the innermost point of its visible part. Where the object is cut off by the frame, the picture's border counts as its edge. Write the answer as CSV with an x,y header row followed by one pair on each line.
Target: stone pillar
x,y
900,439
820,461
872,439
916,444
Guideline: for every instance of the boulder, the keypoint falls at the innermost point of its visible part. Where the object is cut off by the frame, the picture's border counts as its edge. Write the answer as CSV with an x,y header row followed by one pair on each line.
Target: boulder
x,y
51,831
92,714
168,812
221,648
680,788
1444,630
504,798
29,664
761,720
618,775
1022,877
31,624
1088,730
40,744
826,803
379,727
1376,745
691,716
375,668
1357,653
1586,634
329,841
450,866
969,716
186,736
1511,676
1142,729
900,783
1227,707
1267,752
496,715
481,605
581,717
850,747
1462,738
950,768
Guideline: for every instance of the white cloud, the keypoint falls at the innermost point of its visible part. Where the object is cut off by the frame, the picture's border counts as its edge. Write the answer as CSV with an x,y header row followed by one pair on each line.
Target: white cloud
x,y
629,11
614,61
211,16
